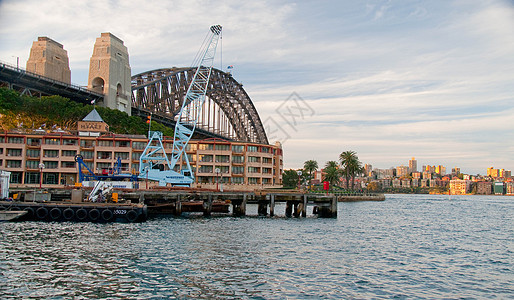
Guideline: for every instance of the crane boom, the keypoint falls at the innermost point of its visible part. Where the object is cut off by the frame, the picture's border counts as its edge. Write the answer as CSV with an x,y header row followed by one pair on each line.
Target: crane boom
x,y
154,158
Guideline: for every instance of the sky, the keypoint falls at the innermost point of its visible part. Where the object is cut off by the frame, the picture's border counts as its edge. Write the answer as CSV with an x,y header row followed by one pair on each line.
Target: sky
x,y
390,80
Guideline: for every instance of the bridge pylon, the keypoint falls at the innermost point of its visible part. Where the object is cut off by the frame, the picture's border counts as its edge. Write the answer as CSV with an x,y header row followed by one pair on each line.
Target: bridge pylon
x,y
109,72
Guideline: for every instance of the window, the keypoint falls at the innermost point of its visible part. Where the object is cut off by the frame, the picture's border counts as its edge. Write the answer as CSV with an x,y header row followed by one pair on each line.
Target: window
x,y
15,140
103,165
205,169
122,143
69,142
51,178
253,149
237,180
238,148
254,170
136,155
138,145
1,150
191,147
51,153
16,177
13,163
266,160
266,180
87,143
266,170
254,159
13,152
224,169
69,153
206,146
135,168
205,158
104,155
265,150
33,142
223,158
32,164
237,170
223,147
68,164
122,155
51,164
191,157
2,139
31,177
87,154
103,143
238,159
31,153
253,180
52,141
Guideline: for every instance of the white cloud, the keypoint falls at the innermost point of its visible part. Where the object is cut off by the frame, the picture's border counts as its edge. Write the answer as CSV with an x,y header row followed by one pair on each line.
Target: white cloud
x,y
391,81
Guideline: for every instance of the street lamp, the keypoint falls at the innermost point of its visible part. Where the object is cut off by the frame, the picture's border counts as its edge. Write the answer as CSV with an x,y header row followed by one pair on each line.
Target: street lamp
x,y
217,170
41,167
299,178
17,62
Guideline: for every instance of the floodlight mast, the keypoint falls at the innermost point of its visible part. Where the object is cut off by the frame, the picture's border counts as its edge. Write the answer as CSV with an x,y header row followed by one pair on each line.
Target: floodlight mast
x,y
185,124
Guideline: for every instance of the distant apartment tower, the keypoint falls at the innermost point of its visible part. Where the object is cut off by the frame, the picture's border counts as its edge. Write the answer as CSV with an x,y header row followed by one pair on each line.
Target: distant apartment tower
x,y
413,165
440,170
484,187
456,171
368,169
402,171
460,187
109,72
49,59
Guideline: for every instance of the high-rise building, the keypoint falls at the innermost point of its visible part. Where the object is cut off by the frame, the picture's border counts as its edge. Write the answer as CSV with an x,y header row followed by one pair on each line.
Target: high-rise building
x,y
413,165
402,171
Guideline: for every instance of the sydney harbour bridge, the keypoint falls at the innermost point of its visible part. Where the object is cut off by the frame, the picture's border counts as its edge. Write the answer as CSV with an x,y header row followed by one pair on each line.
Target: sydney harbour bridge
x,y
227,113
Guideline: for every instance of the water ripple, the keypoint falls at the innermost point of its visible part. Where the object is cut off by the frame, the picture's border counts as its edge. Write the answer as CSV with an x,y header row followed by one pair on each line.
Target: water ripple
x,y
420,246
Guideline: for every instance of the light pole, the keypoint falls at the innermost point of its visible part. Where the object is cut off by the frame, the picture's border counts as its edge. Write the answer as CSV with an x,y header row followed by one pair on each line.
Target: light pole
x,y
299,178
17,62
41,167
217,170
147,168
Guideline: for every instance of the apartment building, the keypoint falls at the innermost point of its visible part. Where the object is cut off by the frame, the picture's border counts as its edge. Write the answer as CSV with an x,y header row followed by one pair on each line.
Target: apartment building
x,y
48,156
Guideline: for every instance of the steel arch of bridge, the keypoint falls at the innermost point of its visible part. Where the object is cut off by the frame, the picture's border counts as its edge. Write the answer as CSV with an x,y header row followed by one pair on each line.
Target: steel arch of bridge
x,y
228,110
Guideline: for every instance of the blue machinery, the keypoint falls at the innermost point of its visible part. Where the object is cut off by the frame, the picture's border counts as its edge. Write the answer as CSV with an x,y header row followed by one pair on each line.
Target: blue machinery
x,y
154,163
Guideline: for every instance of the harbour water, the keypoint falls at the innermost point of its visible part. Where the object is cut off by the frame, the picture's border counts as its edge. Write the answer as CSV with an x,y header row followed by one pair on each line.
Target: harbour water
x,y
408,246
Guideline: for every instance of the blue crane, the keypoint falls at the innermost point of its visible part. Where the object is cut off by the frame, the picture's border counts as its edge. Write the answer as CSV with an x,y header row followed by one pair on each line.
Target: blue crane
x,y
154,164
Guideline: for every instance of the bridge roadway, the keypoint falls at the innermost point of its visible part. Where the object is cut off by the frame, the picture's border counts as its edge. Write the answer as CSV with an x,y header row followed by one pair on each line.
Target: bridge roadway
x,y
36,85
28,83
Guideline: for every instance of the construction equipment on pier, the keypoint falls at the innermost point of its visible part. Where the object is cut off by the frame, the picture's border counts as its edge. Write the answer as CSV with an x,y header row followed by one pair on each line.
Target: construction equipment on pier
x,y
154,163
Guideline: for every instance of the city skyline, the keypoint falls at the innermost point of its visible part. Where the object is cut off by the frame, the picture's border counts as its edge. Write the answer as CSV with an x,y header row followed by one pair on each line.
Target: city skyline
x,y
386,80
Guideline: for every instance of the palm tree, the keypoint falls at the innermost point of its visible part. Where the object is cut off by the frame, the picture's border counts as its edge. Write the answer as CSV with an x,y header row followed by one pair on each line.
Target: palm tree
x,y
332,173
310,166
351,165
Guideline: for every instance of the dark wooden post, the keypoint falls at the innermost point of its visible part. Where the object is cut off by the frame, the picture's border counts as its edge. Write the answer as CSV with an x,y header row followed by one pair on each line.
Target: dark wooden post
x,y
207,206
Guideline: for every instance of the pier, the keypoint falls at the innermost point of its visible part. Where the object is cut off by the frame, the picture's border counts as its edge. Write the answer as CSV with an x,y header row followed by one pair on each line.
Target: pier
x,y
165,201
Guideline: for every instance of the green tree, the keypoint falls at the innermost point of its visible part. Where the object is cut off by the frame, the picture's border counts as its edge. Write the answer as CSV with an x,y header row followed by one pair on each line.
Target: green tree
x,y
310,167
332,173
351,165
290,179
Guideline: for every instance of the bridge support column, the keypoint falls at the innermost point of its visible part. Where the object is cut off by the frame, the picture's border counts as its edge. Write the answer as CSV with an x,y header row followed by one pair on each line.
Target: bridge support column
x,y
289,208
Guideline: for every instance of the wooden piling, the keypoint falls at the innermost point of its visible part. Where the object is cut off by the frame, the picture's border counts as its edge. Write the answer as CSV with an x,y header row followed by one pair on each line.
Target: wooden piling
x,y
272,205
207,206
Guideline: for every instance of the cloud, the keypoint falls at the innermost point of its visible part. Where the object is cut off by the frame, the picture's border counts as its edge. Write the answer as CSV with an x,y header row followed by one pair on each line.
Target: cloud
x,y
390,80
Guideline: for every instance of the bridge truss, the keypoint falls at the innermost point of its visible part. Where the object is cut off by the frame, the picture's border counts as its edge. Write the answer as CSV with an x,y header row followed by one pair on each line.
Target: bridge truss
x,y
227,112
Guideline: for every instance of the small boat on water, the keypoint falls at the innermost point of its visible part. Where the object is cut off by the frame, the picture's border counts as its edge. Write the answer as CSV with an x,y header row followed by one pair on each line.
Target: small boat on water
x,y
10,215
